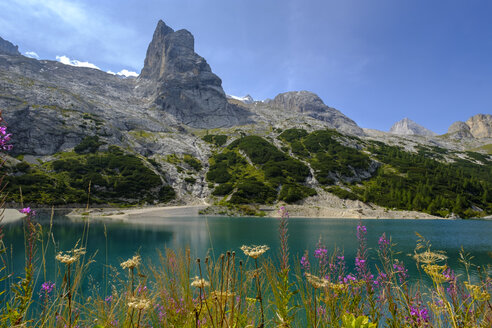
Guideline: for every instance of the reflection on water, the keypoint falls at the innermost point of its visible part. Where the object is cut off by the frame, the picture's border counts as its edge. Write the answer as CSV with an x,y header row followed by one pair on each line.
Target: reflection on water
x,y
215,235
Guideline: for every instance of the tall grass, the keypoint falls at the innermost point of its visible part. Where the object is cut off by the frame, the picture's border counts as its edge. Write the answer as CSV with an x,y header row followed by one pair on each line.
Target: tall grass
x,y
268,289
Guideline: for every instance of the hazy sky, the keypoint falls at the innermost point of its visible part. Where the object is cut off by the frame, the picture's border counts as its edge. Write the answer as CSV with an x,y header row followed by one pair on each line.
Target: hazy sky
x,y
377,61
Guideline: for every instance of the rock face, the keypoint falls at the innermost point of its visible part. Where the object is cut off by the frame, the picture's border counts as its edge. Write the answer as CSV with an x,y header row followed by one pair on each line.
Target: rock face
x,y
409,127
308,103
8,48
185,86
478,126
460,130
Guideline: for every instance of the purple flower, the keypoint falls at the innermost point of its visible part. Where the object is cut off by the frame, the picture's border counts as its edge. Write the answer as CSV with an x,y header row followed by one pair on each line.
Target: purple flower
x,y
383,242
25,210
109,299
46,289
305,265
320,253
400,271
361,231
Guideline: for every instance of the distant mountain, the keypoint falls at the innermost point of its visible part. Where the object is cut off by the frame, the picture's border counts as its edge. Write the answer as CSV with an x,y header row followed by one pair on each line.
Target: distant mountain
x,y
409,127
246,99
478,126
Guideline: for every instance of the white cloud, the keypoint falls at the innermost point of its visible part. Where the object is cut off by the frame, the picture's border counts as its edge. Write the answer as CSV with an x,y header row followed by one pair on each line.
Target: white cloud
x,y
127,73
124,72
31,54
74,62
82,29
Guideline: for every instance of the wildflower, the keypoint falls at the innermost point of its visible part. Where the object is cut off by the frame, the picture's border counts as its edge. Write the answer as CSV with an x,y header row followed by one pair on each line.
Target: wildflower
x,y
200,283
435,272
254,251
400,271
131,263
109,299
349,278
71,256
46,289
383,242
476,292
361,232
305,262
26,210
419,316
222,296
429,257
320,253
139,304
316,282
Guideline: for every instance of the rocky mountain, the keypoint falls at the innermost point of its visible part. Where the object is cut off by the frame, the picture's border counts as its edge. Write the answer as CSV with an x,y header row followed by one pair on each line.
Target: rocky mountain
x,y
8,48
408,127
309,104
184,84
173,131
478,126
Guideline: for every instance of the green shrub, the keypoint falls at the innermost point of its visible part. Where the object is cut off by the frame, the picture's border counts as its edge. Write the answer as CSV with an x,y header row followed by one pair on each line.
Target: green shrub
x,y
216,139
192,162
253,191
291,193
89,144
223,189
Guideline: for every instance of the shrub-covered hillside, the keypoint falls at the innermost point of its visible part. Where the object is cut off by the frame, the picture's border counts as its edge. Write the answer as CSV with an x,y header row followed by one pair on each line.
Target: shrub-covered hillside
x,y
114,177
431,180
252,170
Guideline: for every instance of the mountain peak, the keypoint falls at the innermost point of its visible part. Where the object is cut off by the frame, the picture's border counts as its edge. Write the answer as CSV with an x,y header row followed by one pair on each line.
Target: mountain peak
x,y
310,104
408,127
8,48
171,52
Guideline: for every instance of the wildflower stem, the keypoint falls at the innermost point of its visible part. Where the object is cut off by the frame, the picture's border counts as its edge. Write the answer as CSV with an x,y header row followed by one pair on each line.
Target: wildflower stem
x,y
258,287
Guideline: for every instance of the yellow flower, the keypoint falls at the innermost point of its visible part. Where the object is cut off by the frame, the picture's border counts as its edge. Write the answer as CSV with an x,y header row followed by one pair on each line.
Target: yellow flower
x,y
435,272
254,251
131,263
429,257
222,296
476,292
139,304
200,283
71,256
316,281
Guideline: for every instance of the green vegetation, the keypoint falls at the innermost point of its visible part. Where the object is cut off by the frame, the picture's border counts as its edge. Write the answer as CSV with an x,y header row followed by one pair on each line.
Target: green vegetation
x,y
416,182
216,139
114,177
328,157
273,170
89,144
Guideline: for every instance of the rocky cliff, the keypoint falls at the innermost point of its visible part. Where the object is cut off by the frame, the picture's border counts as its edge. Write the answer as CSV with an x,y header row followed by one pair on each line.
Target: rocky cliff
x,y
409,127
8,48
478,126
184,83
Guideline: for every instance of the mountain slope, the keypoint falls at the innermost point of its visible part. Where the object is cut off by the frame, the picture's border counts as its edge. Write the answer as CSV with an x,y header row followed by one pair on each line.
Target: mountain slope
x,y
408,127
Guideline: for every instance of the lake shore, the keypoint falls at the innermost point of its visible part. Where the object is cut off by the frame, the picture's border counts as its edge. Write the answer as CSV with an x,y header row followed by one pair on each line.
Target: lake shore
x,y
11,215
154,213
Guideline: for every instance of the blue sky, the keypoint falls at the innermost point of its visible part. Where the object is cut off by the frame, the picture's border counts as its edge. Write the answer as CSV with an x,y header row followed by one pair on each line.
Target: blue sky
x,y
376,61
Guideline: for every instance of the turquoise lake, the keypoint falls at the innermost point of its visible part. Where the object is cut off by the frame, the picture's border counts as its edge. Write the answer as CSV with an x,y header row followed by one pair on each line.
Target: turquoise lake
x,y
216,235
